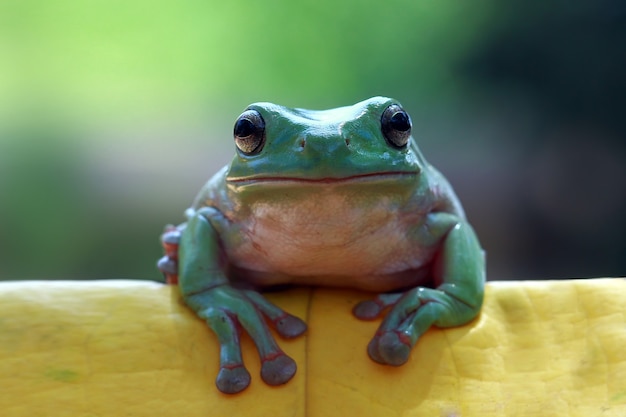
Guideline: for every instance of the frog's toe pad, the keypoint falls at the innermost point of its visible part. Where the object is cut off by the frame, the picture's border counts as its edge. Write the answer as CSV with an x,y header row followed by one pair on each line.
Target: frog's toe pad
x,y
290,326
367,310
390,348
233,380
372,351
168,265
278,370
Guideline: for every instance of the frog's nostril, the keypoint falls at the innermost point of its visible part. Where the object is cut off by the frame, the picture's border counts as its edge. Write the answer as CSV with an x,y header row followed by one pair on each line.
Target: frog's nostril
x,y
302,143
347,142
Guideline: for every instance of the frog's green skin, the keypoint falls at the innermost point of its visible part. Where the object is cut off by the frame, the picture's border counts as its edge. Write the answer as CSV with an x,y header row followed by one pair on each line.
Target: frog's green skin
x,y
327,200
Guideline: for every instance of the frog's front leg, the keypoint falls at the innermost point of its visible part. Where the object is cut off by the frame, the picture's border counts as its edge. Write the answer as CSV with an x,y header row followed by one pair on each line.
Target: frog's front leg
x,y
227,310
459,273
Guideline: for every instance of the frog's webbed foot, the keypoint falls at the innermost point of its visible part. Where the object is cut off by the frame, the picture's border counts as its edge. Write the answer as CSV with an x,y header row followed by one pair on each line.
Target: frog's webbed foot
x,y
227,311
460,268
411,313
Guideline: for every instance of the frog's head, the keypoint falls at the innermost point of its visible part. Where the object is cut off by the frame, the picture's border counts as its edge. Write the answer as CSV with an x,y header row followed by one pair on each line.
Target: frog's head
x,y
367,141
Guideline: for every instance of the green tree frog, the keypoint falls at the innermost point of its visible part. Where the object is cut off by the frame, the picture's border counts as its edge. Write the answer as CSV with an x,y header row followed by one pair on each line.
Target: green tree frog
x,y
339,198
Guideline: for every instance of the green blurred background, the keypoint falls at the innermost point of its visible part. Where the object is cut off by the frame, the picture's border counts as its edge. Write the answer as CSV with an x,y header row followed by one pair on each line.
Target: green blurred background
x,y
114,113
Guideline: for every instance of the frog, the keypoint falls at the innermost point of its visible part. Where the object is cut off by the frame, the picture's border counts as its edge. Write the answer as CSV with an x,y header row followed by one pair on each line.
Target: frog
x,y
337,198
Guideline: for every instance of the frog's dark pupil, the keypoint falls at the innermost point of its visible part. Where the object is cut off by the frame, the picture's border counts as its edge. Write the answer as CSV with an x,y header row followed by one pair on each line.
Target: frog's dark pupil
x,y
396,126
249,132
400,121
244,127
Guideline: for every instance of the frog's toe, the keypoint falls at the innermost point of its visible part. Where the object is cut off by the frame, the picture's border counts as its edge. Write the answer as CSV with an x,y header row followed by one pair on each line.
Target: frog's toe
x,y
169,268
394,348
168,265
289,326
367,310
233,380
286,325
372,309
390,348
278,369
372,351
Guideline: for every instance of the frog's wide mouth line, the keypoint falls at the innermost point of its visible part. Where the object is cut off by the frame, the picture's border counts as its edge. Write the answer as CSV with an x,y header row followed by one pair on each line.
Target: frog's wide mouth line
x,y
325,180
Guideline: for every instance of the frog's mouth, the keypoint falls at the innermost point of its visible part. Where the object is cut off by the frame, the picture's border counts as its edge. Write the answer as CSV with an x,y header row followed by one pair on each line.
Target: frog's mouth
x,y
373,176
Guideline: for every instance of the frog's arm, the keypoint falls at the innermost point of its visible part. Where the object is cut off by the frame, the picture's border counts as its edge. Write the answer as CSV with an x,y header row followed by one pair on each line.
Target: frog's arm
x,y
206,289
459,273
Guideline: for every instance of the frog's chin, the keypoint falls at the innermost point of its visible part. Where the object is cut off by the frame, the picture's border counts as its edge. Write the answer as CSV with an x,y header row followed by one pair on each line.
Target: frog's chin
x,y
278,179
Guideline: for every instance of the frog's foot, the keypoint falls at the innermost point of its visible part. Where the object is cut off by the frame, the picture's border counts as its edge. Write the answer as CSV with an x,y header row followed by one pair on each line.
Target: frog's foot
x,y
410,315
168,264
228,311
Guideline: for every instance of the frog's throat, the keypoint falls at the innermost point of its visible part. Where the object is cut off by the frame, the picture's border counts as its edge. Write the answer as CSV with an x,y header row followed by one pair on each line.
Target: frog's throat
x,y
384,176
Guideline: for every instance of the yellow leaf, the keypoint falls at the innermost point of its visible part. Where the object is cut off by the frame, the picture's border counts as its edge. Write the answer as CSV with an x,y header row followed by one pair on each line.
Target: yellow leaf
x,y
131,348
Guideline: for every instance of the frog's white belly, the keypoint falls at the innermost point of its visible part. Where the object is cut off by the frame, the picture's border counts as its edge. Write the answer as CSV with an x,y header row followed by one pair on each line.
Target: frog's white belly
x,y
329,235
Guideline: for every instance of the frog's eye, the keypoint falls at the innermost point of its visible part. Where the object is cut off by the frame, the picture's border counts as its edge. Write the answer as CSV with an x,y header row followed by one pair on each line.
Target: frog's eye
x,y
249,132
396,126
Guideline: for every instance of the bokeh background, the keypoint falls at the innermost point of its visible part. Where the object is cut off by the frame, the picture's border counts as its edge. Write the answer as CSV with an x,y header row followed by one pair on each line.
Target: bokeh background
x,y
114,113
